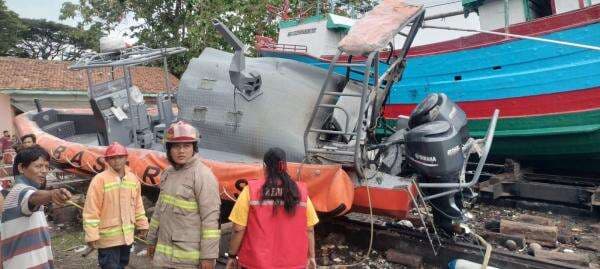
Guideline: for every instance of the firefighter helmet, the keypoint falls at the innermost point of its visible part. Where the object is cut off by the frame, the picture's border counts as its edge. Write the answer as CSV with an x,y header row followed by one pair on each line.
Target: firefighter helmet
x,y
115,149
181,132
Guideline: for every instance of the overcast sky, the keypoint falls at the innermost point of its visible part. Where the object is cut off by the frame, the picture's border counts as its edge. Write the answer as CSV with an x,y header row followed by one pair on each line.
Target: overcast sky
x,y
50,10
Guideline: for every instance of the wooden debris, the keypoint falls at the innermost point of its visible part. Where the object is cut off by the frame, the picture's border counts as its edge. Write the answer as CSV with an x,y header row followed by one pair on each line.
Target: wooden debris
x,y
544,235
411,261
589,243
565,237
502,238
535,220
571,258
595,228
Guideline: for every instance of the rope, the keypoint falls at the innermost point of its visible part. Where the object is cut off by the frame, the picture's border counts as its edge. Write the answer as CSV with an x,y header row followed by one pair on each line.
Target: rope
x,y
577,45
372,235
488,250
371,218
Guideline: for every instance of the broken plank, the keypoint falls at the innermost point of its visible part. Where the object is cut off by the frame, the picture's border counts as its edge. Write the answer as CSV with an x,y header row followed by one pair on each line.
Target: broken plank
x,y
544,235
535,220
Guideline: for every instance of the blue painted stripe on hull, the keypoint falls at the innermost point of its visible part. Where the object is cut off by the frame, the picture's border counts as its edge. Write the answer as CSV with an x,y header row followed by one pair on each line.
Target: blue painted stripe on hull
x,y
525,68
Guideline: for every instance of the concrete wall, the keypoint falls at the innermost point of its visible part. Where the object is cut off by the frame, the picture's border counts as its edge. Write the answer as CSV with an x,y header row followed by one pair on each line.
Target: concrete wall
x,y
491,14
319,41
6,114
563,6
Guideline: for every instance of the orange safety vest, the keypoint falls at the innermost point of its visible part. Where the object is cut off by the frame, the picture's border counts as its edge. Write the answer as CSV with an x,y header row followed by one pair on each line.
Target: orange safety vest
x,y
274,239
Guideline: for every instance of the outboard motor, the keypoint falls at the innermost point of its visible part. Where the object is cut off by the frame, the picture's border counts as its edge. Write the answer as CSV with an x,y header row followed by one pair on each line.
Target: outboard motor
x,y
434,143
438,107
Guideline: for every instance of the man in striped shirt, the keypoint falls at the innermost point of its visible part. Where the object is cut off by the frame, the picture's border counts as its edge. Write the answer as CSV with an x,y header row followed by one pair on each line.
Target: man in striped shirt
x,y
24,232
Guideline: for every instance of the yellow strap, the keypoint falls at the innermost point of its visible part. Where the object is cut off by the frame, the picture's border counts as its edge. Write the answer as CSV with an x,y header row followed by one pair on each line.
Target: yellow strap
x,y
181,203
177,253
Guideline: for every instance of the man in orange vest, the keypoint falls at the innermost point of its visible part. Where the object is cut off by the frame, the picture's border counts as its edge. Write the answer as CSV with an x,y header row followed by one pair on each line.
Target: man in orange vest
x,y
113,210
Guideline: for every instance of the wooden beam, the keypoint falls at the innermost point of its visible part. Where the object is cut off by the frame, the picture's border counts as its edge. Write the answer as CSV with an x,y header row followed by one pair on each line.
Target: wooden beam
x,y
544,235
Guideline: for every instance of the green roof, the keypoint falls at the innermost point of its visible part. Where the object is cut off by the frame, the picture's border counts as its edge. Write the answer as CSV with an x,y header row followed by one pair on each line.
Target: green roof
x,y
296,22
339,23
334,22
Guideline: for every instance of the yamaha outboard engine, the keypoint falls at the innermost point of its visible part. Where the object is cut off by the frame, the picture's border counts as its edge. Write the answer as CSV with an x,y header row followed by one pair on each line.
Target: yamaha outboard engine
x,y
434,142
437,107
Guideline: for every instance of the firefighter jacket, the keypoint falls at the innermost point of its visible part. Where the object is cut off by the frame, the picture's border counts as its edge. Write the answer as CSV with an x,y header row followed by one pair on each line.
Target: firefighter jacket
x,y
185,223
113,209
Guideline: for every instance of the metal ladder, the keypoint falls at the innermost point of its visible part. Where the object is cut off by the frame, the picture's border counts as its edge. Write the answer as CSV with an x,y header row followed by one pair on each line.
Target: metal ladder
x,y
371,73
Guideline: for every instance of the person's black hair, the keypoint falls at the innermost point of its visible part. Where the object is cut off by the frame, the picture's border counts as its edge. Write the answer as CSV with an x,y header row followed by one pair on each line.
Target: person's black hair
x,y
32,136
279,186
26,156
5,131
169,145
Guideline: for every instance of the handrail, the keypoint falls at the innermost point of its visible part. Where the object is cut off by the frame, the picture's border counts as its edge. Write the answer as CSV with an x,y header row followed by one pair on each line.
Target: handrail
x,y
284,47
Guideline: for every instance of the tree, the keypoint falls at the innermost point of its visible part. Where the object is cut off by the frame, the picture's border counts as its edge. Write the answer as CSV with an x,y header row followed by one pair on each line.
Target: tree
x,y
188,23
10,27
54,41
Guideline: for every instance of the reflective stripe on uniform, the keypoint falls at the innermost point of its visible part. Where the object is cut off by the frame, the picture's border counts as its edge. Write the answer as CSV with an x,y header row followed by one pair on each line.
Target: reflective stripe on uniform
x,y
123,230
140,216
211,233
174,201
119,185
177,253
91,223
111,186
128,185
154,223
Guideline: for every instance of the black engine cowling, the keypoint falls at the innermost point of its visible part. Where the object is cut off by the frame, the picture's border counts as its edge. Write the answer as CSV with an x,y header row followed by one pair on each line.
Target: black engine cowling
x,y
434,143
434,149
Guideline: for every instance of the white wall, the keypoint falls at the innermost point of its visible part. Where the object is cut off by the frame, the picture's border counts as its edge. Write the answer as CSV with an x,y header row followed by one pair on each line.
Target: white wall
x,y
595,2
566,5
492,13
322,41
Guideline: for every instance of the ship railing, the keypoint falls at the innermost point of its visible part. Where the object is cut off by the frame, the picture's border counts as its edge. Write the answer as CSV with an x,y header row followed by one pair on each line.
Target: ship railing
x,y
285,47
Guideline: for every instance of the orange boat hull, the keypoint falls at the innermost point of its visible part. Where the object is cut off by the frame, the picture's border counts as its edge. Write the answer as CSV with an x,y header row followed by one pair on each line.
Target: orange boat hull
x,y
330,188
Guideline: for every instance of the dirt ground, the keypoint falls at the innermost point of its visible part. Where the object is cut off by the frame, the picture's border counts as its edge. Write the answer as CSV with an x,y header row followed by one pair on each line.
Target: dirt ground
x,y
67,241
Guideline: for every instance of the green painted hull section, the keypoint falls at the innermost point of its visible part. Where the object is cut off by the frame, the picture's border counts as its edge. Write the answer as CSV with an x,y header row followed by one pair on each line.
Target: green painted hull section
x,y
568,141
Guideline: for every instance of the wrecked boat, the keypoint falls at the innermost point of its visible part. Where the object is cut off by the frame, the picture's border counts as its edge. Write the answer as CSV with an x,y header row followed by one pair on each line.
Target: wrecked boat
x,y
243,106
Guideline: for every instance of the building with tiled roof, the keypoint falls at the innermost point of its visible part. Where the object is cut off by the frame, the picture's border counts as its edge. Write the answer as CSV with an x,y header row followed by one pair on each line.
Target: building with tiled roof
x,y
22,80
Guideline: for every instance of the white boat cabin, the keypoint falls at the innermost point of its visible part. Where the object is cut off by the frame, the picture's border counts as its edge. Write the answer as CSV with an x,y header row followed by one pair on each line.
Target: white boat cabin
x,y
319,35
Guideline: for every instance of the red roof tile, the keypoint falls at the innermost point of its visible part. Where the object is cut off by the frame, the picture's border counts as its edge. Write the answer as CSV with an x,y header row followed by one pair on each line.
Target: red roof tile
x,y
31,74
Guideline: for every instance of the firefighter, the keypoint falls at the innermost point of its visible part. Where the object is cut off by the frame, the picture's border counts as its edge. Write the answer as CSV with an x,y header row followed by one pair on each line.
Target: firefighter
x,y
113,210
273,221
184,228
